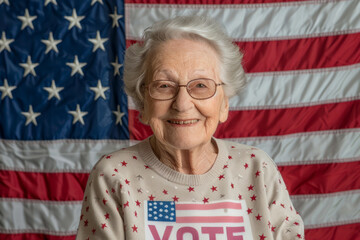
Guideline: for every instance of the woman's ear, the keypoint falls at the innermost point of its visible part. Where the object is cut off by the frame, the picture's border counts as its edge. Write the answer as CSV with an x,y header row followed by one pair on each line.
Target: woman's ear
x,y
224,110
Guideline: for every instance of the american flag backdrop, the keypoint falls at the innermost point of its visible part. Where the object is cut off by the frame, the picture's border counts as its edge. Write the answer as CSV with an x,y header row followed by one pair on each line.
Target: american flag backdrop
x,y
62,103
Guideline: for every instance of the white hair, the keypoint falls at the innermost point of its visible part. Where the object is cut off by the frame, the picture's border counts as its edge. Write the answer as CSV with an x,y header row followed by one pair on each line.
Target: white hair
x,y
198,28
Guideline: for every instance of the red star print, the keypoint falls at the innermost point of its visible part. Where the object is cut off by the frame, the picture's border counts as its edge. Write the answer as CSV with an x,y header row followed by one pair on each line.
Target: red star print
x,y
296,223
146,166
274,202
252,155
287,218
138,203
81,217
85,198
232,146
135,213
134,157
86,222
257,173
262,237
283,206
107,192
134,228
225,166
127,182
104,201
123,163
101,175
126,204
232,185
246,165
87,209
253,197
121,186
113,190
206,200
93,230
103,226
240,197
107,216
273,229
251,187
221,177
175,198
258,217
116,170
108,156
249,210
151,197
191,189
299,235
230,157
269,224
165,192
214,188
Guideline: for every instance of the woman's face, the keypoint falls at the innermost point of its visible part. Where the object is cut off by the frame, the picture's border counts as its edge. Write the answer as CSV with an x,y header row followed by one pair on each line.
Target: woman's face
x,y
183,122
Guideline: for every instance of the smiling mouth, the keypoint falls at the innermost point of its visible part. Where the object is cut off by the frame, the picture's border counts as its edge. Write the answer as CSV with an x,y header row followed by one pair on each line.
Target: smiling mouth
x,y
183,122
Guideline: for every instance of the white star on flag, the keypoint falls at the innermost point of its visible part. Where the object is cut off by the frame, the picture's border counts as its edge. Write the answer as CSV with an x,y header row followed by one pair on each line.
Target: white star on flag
x,y
99,90
76,66
74,20
115,18
51,43
31,116
6,90
98,42
5,1
95,1
78,115
5,43
118,115
29,67
50,1
116,66
53,90
27,20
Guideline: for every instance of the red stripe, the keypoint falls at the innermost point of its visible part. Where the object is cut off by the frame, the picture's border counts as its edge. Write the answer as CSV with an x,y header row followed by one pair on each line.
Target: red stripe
x,y
34,236
211,206
303,179
273,122
349,231
207,219
208,2
297,54
321,178
43,186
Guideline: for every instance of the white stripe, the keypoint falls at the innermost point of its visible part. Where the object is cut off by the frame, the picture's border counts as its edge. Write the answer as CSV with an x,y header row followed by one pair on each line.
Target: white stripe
x,y
55,156
328,209
56,218
250,22
310,148
298,88
80,156
62,218
210,213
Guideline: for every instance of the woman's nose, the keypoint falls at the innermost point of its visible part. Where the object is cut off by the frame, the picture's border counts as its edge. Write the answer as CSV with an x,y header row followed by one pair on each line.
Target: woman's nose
x,y
183,101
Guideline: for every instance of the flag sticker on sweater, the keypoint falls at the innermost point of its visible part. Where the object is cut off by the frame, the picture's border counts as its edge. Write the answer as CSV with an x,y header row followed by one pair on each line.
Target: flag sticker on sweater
x,y
189,220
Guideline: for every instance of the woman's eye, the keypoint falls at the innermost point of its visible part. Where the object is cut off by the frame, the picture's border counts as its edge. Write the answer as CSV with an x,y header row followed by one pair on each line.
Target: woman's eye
x,y
164,86
200,85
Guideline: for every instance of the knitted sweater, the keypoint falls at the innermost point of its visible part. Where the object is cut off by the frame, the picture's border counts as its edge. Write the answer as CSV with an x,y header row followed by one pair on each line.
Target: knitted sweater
x,y
130,194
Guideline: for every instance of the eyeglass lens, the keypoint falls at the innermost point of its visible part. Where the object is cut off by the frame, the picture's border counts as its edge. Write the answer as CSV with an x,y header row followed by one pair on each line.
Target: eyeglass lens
x,y
198,89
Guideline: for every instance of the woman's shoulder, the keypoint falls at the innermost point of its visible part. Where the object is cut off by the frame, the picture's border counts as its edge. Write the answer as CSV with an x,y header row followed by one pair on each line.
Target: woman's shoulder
x,y
243,151
124,157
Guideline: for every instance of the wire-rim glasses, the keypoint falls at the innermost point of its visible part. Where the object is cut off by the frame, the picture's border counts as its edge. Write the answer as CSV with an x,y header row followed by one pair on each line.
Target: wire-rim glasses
x,y
202,88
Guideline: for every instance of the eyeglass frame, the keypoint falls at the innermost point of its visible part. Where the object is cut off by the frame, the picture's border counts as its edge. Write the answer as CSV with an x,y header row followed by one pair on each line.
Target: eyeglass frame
x,y
184,85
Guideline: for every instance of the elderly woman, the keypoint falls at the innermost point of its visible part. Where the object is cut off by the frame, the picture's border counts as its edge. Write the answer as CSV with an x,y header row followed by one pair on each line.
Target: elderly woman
x,y
182,183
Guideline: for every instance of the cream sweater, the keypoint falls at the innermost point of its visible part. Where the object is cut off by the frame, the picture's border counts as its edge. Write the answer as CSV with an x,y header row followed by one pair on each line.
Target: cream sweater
x,y
130,194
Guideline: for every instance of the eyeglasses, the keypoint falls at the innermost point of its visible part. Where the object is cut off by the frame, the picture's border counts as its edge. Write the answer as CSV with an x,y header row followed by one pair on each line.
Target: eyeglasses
x,y
200,89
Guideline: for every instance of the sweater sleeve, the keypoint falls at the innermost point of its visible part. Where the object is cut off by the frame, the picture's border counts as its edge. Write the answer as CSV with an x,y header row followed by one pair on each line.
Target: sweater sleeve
x,y
285,222
101,215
